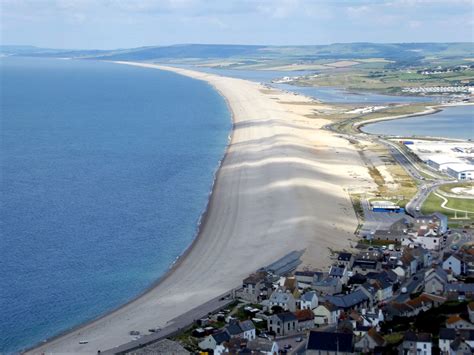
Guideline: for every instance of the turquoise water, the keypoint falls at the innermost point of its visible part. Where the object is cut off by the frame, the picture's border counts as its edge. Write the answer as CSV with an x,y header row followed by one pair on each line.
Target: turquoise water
x,y
451,122
105,171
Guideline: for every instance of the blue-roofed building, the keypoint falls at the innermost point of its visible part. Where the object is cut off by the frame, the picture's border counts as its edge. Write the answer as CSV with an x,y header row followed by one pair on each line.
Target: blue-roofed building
x,y
330,343
354,300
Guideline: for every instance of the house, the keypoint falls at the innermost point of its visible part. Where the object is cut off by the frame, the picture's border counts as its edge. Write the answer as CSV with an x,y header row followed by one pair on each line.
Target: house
x,y
253,287
456,322
329,343
436,280
326,314
308,300
354,300
263,346
284,299
339,272
370,290
305,319
416,343
460,291
345,259
448,335
370,341
213,340
245,330
380,286
328,286
282,323
395,309
291,284
307,277
371,319
363,267
409,262
470,311
454,264
436,221
461,347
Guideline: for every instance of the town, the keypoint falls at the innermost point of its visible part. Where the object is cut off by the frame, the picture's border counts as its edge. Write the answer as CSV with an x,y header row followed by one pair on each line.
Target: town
x,y
406,290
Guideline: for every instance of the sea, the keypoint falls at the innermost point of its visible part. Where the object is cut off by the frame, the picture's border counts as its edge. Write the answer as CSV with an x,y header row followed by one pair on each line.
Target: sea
x,y
452,122
105,172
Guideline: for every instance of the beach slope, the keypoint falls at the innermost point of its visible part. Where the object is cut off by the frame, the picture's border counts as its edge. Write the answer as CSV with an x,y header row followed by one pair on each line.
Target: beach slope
x,y
281,187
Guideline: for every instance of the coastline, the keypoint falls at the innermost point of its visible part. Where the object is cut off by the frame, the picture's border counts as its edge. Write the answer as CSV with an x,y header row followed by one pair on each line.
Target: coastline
x,y
112,328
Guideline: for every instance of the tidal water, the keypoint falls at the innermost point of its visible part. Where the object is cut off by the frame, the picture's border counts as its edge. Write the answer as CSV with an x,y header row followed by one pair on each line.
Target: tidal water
x,y
451,122
341,96
105,171
327,94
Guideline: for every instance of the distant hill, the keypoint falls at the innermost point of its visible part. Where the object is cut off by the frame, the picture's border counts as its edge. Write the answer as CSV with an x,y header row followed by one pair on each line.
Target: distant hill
x,y
399,53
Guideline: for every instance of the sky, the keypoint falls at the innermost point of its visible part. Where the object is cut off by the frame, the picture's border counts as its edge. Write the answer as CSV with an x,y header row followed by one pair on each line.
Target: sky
x,y
109,24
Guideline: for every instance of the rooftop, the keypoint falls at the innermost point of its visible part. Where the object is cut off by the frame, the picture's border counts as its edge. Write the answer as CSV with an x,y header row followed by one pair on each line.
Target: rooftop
x,y
327,341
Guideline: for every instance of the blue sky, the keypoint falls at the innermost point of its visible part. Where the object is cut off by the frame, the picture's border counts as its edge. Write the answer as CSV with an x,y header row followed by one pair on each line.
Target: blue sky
x,y
107,24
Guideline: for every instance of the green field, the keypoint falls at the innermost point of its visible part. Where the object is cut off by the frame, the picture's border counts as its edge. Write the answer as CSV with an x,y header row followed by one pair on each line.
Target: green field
x,y
433,204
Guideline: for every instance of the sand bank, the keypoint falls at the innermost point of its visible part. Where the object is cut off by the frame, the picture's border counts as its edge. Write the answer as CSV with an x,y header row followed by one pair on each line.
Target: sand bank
x,y
281,187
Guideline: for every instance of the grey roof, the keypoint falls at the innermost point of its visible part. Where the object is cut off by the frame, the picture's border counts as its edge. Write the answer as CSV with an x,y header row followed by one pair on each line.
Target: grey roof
x,y
365,264
336,271
260,344
344,256
234,328
286,316
280,296
459,344
440,273
308,296
246,325
370,288
326,282
349,300
419,337
384,276
447,333
221,337
460,287
286,264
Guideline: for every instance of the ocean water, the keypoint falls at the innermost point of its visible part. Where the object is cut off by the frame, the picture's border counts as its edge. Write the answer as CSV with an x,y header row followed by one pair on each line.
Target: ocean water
x,y
105,171
451,122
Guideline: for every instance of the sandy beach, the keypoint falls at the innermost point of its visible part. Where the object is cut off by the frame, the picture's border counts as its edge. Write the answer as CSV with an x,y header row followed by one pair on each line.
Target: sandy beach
x,y
281,187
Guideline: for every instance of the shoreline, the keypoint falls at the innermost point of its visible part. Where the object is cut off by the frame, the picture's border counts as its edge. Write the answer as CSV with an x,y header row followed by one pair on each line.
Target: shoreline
x,y
179,259
262,204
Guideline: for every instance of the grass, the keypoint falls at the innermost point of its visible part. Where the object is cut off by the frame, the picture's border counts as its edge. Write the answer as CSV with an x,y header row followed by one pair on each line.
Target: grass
x,y
433,204
394,338
375,77
447,188
463,204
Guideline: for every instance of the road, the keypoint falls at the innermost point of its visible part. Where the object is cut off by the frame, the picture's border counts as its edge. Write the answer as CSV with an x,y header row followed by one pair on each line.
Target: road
x,y
176,325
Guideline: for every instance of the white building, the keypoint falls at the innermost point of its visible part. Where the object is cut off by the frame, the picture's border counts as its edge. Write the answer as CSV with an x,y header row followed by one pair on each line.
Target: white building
x,y
461,171
309,300
453,264
441,161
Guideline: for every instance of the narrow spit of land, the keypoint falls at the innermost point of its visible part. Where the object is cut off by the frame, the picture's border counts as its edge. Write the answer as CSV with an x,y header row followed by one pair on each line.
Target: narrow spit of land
x,y
281,187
